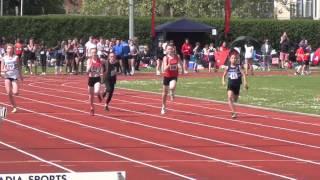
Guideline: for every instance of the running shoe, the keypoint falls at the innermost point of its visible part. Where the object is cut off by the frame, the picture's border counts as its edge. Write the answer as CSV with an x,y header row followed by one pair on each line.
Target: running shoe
x,y
106,108
92,112
163,110
14,110
234,115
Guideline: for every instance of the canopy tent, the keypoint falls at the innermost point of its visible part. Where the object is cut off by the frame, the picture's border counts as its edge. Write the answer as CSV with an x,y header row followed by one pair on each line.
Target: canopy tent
x,y
181,29
184,25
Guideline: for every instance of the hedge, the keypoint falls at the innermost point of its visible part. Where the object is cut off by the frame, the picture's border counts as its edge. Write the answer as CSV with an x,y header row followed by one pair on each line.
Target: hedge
x,y
53,28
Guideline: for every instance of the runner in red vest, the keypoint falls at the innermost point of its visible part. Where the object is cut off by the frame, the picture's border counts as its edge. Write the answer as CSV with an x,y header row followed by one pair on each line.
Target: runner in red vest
x,y
186,50
170,75
94,71
18,48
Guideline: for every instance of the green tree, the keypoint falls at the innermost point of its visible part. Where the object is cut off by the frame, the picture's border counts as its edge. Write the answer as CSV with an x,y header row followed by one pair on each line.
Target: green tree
x,y
37,7
34,7
178,8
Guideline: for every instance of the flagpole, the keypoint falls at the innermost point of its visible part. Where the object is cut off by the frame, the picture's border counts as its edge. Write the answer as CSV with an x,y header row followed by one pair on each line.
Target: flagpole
x,y
153,33
227,16
131,20
1,8
21,8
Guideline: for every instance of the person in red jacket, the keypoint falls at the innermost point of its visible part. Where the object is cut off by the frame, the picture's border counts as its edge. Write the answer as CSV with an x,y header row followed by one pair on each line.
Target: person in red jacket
x,y
316,57
170,75
186,54
19,49
300,53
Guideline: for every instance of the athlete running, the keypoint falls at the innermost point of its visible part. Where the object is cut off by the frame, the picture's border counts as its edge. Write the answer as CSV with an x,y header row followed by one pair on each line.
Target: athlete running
x,y
235,76
94,71
170,76
11,70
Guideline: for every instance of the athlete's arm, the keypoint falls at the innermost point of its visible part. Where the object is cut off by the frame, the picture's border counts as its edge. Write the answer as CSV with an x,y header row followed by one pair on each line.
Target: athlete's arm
x,y
19,68
165,63
224,76
2,66
244,78
88,66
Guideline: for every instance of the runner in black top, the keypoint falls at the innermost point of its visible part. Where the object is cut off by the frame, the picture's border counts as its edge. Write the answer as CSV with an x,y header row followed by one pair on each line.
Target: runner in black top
x,y
110,78
235,76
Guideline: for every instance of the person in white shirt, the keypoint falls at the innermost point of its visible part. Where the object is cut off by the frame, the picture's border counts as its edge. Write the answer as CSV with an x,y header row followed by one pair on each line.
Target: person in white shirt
x,y
90,45
101,46
249,49
11,71
266,55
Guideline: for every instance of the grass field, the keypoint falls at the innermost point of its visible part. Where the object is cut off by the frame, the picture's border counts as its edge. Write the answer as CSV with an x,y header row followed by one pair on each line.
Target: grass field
x,y
293,93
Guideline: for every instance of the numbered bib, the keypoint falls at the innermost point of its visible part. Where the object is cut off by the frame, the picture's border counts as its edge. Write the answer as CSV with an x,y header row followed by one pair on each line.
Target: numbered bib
x,y
10,67
173,67
95,69
233,75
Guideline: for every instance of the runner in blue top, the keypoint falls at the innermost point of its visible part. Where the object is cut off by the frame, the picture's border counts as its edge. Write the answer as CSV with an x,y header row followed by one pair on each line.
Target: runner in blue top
x,y
235,77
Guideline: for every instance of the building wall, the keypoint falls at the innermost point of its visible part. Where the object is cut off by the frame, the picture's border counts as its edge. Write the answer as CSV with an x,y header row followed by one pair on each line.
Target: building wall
x,y
282,11
297,9
316,9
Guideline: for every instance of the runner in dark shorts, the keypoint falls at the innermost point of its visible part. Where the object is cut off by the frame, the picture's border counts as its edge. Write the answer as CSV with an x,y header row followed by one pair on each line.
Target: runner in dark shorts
x,y
235,76
11,71
110,78
94,70
170,76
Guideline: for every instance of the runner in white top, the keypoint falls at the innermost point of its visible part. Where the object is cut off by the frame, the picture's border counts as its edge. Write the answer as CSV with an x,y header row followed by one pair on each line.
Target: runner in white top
x,y
249,53
11,70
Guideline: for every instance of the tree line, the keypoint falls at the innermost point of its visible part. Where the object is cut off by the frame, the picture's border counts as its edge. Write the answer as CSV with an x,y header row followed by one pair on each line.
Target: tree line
x,y
164,8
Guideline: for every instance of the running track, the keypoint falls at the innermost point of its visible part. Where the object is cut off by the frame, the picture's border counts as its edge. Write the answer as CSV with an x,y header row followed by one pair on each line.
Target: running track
x,y
196,139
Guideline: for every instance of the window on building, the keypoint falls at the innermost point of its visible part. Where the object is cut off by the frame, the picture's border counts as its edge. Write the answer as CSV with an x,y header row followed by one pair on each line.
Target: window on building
x,y
299,8
308,8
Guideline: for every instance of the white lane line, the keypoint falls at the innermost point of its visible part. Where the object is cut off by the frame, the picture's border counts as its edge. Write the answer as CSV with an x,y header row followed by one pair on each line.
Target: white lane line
x,y
96,149
175,119
207,101
139,162
36,157
223,110
203,115
223,102
162,129
195,98
156,161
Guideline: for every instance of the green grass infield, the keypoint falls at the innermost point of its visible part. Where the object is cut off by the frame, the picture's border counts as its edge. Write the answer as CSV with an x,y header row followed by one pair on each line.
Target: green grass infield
x,y
291,93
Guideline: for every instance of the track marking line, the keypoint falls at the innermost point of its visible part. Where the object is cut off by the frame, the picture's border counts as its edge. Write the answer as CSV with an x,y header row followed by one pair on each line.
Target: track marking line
x,y
137,139
173,119
49,163
96,149
195,114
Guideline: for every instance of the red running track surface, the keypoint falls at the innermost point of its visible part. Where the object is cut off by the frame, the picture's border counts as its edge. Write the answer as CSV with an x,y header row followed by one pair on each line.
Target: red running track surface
x,y
196,139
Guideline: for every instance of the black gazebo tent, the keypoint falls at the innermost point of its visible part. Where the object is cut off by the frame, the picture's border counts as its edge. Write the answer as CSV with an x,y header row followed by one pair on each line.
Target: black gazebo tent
x,y
184,28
